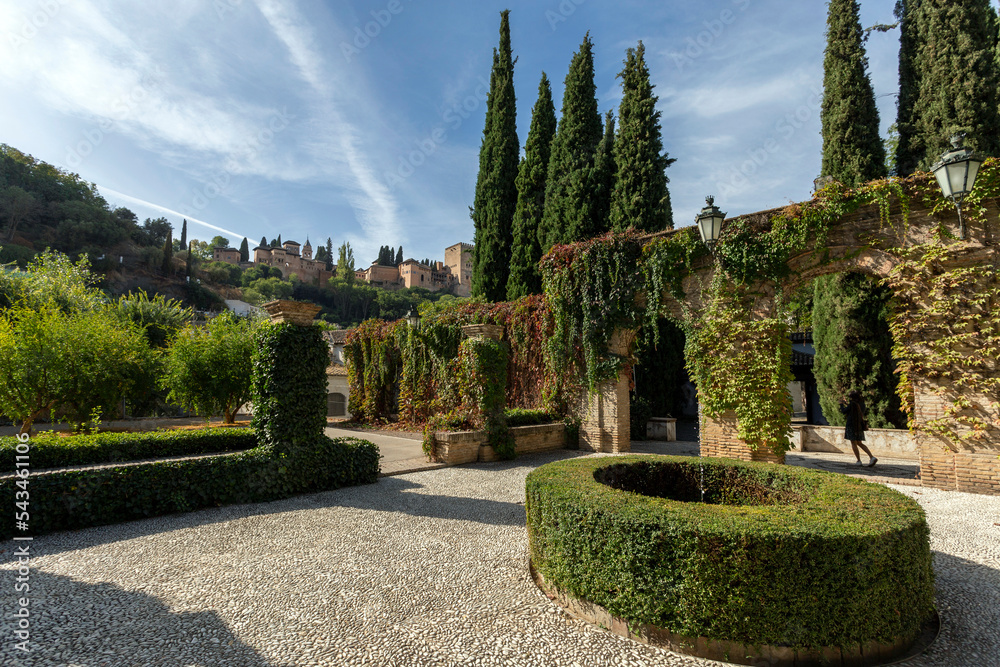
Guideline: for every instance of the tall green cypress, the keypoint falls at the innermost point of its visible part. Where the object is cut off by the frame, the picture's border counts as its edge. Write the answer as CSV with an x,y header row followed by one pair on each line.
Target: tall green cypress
x,y
850,327
602,180
527,249
496,186
263,241
854,348
641,199
184,233
245,250
853,152
168,254
188,260
951,47
568,203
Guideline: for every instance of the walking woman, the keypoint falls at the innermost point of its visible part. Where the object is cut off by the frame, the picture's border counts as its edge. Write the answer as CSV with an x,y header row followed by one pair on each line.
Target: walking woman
x,y
854,410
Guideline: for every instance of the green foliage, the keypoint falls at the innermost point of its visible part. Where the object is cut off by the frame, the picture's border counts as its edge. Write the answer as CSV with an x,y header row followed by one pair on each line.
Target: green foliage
x,y
263,290
207,369
222,273
779,556
527,249
949,79
853,152
77,499
51,450
168,256
483,365
528,417
496,188
602,181
289,387
345,263
854,348
52,280
741,362
81,363
640,199
592,288
568,203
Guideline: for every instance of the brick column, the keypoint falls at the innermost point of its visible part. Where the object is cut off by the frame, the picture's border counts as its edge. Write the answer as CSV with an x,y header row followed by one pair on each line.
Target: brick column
x,y
719,440
970,465
605,414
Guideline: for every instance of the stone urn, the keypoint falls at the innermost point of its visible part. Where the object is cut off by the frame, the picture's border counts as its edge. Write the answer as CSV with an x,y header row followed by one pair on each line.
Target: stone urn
x,y
299,313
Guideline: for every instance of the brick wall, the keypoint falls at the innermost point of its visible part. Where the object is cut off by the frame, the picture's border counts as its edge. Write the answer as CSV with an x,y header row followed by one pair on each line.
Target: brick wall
x,y
719,440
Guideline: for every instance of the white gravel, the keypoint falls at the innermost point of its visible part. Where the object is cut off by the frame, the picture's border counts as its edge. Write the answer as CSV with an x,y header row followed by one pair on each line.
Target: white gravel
x,y
422,569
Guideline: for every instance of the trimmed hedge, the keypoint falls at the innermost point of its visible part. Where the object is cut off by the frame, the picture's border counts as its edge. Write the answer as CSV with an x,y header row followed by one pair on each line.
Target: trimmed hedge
x,y
526,417
78,499
775,555
54,451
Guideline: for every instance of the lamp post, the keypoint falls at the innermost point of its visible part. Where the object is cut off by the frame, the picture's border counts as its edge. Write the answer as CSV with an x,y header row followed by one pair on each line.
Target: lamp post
x,y
710,223
956,173
413,319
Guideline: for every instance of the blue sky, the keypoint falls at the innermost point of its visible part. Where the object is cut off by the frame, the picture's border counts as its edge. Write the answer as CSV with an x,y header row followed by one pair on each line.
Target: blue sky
x,y
362,121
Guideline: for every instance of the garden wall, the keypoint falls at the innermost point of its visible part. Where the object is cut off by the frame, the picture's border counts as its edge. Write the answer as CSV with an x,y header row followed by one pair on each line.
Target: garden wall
x,y
890,443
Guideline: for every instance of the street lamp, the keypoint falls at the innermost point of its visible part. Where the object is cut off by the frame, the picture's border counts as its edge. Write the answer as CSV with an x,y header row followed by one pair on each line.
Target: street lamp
x,y
710,223
956,173
413,318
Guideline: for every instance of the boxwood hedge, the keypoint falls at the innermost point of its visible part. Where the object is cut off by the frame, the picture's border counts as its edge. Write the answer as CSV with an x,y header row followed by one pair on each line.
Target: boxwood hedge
x,y
54,451
775,555
77,499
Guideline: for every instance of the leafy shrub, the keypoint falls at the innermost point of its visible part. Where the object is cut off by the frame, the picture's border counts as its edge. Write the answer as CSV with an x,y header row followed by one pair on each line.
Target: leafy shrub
x,y
525,417
776,556
77,499
54,451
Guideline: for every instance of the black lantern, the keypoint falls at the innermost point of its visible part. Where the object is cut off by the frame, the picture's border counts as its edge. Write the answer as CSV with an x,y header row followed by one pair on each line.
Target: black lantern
x,y
956,174
413,318
710,223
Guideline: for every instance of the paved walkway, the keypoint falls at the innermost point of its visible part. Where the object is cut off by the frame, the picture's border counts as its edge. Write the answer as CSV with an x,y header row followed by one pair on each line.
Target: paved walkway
x,y
401,452
421,569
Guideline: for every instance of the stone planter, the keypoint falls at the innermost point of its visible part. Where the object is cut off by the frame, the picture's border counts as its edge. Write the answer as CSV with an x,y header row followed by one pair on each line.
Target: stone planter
x,y
457,447
662,428
299,313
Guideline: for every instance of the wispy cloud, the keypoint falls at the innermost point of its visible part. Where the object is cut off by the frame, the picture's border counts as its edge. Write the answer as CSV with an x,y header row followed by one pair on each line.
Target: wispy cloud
x,y
116,196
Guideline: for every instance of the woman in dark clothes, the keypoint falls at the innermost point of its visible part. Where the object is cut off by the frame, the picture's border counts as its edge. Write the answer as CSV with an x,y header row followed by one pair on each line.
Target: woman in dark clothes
x,y
854,410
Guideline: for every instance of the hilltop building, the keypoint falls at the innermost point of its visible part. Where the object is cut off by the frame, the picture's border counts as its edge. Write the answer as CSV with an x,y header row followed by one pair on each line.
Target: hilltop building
x,y
290,259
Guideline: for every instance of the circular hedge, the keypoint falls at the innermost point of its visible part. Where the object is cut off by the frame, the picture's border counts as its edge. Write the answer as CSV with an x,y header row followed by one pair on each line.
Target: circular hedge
x,y
766,555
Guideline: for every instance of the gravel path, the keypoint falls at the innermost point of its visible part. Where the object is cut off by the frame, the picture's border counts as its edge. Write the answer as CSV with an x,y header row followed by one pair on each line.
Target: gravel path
x,y
421,569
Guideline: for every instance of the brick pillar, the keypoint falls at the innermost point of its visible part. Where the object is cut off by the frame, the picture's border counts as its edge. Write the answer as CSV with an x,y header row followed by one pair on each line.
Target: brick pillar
x,y
969,465
605,414
719,440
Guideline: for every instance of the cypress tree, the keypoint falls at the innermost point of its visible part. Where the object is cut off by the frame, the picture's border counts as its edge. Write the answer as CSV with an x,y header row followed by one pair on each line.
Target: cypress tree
x,y
168,253
854,349
853,152
602,180
948,57
399,256
568,204
329,254
527,249
245,250
263,241
187,260
279,240
640,199
184,233
850,327
496,186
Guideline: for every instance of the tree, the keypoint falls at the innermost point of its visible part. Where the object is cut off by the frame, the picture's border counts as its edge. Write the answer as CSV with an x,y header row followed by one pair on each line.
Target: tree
x,y
948,79
187,261
159,318
263,242
640,198
496,188
218,242
568,204
184,233
245,250
280,244
853,152
345,263
854,349
526,250
208,369
168,255
399,256
17,206
329,254
602,181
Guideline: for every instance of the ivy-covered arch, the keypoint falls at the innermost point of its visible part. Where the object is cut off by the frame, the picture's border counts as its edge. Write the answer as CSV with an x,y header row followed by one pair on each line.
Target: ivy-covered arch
x,y
733,305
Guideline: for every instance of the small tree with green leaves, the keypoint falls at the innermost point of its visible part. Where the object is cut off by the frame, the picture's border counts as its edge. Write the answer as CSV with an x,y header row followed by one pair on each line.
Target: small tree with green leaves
x,y
207,369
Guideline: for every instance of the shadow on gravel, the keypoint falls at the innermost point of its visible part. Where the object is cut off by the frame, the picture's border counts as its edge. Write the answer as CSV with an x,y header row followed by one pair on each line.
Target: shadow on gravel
x,y
968,600
77,623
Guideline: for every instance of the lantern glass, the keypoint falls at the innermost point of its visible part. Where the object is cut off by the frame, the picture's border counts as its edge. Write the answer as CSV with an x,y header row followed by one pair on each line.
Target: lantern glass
x,y
710,222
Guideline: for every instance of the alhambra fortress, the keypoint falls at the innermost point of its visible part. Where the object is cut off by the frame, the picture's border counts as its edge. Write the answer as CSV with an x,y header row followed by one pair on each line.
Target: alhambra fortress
x,y
453,274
